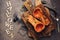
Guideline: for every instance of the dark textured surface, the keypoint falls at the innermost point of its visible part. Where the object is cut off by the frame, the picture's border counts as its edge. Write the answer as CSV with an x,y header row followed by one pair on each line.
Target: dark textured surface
x,y
21,31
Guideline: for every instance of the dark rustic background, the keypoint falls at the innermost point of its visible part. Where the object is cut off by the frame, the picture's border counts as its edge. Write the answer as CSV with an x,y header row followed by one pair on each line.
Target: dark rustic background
x,y
20,31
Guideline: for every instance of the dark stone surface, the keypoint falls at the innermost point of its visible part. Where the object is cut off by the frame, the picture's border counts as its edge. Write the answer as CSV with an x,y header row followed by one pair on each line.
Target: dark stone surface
x,y
21,31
